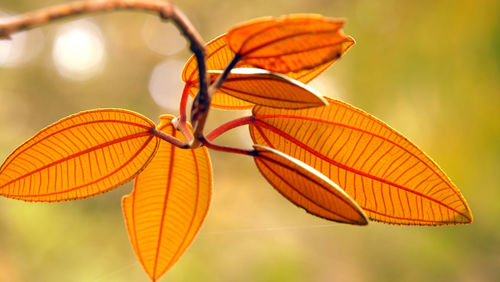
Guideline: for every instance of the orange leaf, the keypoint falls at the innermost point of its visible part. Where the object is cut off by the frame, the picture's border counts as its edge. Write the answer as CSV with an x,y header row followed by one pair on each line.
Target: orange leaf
x,y
289,43
265,88
307,188
221,100
80,156
219,56
391,178
168,204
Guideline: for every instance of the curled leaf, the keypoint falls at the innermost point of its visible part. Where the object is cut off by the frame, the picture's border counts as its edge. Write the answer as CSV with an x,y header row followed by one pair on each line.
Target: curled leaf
x,y
289,43
387,175
169,203
77,157
307,188
265,88
218,57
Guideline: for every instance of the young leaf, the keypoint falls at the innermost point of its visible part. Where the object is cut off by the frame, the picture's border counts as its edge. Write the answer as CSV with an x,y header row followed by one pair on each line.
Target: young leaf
x,y
307,188
265,88
289,43
80,156
391,178
219,56
168,204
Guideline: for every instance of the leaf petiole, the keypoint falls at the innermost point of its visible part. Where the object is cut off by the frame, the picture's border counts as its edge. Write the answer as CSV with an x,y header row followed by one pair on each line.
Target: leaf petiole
x,y
227,149
180,123
218,82
170,139
228,126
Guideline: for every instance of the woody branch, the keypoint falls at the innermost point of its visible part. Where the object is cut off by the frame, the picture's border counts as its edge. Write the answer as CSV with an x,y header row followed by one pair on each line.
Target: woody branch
x,y
166,10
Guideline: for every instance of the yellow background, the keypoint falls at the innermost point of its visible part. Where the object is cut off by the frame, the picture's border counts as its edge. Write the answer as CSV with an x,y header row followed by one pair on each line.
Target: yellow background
x,y
430,69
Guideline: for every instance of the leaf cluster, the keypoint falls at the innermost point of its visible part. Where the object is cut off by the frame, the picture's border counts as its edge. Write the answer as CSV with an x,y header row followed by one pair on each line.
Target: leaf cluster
x,y
323,155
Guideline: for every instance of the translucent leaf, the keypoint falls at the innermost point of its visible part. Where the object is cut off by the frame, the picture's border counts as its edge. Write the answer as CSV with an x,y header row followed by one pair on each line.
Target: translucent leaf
x,y
265,88
387,175
168,204
307,188
219,56
307,75
289,43
80,156
221,100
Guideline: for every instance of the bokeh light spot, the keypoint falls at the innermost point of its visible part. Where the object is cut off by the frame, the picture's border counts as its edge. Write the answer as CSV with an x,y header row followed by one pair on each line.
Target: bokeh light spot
x,y
79,51
165,84
162,37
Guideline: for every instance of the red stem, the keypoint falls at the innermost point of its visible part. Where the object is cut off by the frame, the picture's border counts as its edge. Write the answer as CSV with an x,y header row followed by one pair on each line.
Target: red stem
x,y
227,149
228,126
182,125
183,103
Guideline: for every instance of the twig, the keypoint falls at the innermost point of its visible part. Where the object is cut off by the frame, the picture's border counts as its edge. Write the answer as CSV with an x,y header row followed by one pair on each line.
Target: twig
x,y
201,103
166,10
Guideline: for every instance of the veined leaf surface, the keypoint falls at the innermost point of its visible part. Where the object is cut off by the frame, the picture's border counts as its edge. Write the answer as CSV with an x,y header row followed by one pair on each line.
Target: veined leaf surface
x,y
307,188
388,176
169,203
77,157
265,88
289,43
218,57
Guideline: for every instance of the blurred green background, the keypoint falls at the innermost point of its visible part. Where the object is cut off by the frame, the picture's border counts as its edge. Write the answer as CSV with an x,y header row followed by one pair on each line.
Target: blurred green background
x,y
430,69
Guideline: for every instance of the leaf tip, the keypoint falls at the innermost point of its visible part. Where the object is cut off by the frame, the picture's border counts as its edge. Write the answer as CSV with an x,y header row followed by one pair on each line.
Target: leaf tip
x,y
348,43
464,214
363,220
468,216
296,180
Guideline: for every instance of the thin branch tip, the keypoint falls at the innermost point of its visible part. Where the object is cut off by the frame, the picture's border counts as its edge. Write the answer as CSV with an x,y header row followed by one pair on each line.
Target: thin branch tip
x,y
166,10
